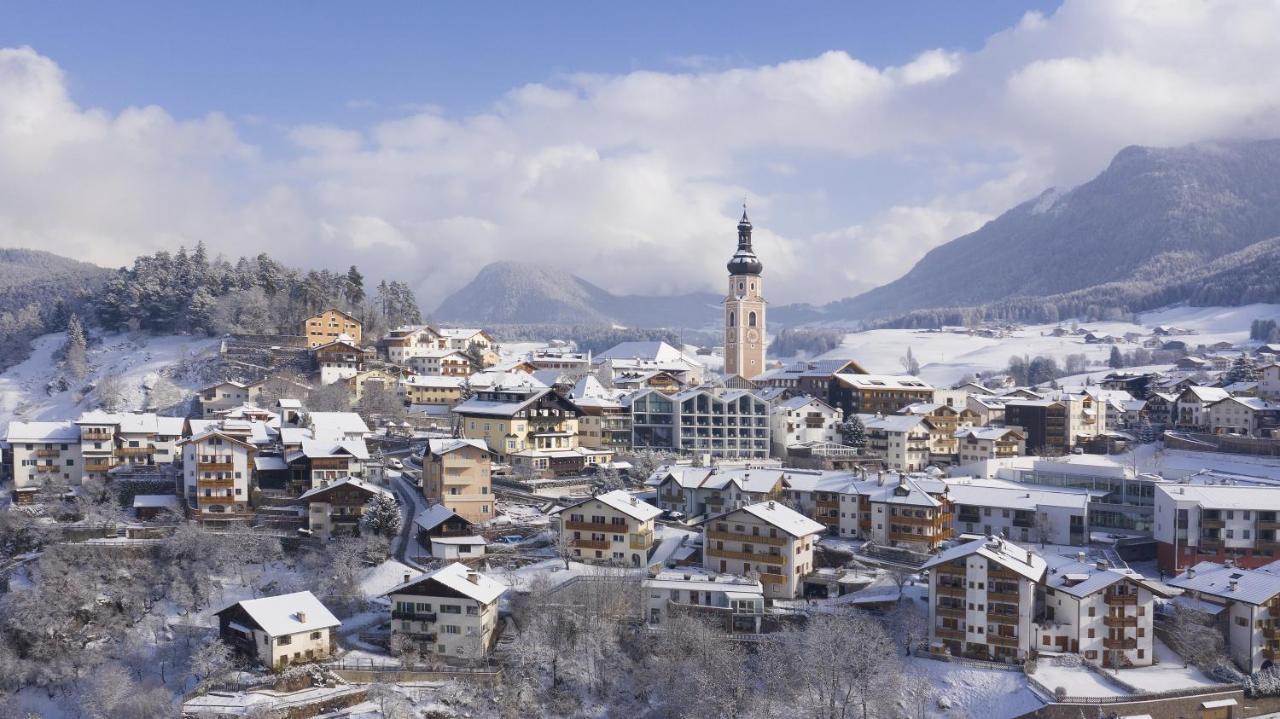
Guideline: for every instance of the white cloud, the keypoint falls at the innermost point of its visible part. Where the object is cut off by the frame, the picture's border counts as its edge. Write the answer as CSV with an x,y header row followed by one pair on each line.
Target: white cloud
x,y
634,180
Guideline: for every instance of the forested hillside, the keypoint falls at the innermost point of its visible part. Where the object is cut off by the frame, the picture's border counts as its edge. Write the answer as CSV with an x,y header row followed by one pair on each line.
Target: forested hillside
x,y
38,293
188,292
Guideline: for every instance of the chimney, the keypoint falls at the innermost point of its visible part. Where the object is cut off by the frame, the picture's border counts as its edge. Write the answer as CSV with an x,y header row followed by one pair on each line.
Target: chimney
x,y
302,617
473,576
771,504
1233,584
1102,564
633,501
406,576
1191,572
1080,557
1228,564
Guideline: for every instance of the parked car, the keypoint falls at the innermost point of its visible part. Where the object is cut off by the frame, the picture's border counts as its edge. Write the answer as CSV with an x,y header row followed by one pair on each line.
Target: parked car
x,y
509,539
395,463
674,515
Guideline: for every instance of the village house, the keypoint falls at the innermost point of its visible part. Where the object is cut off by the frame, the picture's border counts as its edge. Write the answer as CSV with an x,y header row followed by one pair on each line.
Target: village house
x,y
1269,382
902,442
912,513
766,541
224,395
37,453
1243,603
1058,424
1200,522
1191,409
450,613
317,462
988,409
455,473
696,491
217,477
329,326
1023,513
1098,612
603,423
404,343
878,393
613,528
440,363
735,604
643,357
983,600
340,359
511,419
945,421
977,444
335,509
1249,416
803,419
423,391
448,535
280,631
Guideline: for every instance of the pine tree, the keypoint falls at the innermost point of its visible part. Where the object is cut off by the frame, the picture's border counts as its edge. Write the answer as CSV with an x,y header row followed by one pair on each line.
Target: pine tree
x,y
854,432
1116,360
381,516
200,311
1243,369
1146,433
354,286
76,353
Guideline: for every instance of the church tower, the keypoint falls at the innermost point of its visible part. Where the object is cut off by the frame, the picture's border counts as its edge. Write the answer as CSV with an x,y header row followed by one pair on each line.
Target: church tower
x,y
744,309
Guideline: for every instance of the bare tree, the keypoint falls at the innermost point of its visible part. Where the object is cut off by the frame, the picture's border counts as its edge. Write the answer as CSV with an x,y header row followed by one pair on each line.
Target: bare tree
x,y
111,393
211,662
851,665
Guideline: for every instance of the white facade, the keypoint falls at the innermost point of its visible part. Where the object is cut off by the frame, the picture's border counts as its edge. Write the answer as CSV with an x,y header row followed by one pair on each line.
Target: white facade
x,y
736,601
451,612
42,452
216,473
612,528
803,419
764,541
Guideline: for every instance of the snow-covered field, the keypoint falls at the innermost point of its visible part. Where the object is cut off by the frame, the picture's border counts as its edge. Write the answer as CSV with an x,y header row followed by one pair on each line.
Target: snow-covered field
x,y
946,357
27,392
974,692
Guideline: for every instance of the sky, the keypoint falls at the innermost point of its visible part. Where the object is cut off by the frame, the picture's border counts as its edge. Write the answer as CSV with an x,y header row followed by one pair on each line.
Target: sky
x,y
616,141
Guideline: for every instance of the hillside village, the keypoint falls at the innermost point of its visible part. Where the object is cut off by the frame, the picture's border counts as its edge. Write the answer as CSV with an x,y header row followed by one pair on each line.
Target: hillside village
x,y
431,518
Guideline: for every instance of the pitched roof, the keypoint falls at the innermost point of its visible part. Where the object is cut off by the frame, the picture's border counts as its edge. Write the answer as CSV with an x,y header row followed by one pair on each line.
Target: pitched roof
x,y
1002,551
65,431
1252,586
372,489
780,516
435,515
323,423
883,381
442,446
455,576
288,613
623,501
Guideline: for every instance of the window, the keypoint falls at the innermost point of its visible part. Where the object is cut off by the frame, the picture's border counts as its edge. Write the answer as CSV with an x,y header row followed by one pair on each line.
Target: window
x,y
285,640
751,319
315,635
452,629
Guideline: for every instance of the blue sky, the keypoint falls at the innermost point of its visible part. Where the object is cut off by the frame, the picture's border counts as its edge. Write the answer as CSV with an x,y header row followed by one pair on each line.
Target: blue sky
x,y
615,141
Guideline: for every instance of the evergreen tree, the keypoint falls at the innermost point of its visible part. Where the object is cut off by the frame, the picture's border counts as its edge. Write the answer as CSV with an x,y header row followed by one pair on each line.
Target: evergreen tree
x,y
76,352
853,432
1146,433
1243,369
381,516
354,286
1116,360
201,310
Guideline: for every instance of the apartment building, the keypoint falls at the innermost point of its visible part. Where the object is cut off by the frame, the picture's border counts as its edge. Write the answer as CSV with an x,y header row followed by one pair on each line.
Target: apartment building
x,y
329,325
338,360
913,513
982,600
335,509
1243,603
1101,613
603,423
424,391
404,343
1191,409
978,444
1249,416
463,338
216,472
802,419
1057,424
440,363
225,395
39,453
816,378
318,462
877,393
451,613
1022,513
638,357
280,631
611,528
765,541
1269,382
511,419
456,473
733,603
717,421
1219,523
696,491
902,442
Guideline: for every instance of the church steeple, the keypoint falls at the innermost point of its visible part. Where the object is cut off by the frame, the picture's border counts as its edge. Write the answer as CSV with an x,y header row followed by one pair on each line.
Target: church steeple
x,y
744,261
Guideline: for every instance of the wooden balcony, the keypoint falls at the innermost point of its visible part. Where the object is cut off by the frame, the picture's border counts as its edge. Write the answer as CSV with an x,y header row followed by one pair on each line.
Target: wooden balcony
x,y
827,504
1002,618
1002,573
913,521
47,452
414,616
949,569
90,436
1268,524
1212,523
946,590
98,466
1111,621
1126,643
603,527
775,559
215,467
748,538
1121,600
945,633
135,451
45,468
909,537
590,543
773,578
1271,632
671,499
641,541
215,483
1006,597
953,612
1001,640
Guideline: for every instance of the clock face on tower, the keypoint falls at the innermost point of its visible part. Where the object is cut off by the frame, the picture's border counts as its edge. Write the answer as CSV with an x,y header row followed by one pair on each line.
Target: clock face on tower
x,y
753,336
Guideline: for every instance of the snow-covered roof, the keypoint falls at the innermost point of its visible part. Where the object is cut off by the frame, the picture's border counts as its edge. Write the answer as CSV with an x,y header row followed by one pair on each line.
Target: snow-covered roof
x,y
1218,496
1002,551
313,448
986,433
468,540
269,463
345,482
979,493
435,515
625,502
170,426
1252,586
884,381
782,517
1256,404
498,408
703,580
1205,395
1080,578
896,423
65,431
288,613
155,501
442,446
458,577
652,351
336,423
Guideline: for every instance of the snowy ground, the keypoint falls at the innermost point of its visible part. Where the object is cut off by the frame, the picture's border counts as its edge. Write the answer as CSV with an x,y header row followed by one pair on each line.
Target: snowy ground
x,y
974,692
1179,463
1167,675
1075,679
138,361
945,357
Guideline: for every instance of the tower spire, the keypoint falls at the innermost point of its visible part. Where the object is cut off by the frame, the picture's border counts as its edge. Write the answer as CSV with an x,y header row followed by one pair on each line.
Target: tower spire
x,y
744,261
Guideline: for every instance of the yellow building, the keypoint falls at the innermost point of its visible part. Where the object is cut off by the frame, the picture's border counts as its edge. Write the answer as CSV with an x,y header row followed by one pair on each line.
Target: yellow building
x,y
455,473
327,326
610,528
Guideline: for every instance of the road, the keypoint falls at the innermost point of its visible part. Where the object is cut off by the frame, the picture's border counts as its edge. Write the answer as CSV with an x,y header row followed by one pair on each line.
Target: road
x,y
412,504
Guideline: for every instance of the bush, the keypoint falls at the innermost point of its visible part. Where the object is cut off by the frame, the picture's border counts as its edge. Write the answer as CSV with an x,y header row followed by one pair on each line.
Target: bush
x,y
1029,666
1060,693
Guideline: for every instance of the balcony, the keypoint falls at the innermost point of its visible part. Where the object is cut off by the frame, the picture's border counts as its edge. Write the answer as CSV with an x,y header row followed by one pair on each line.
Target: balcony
x,y
215,467
1002,640
948,590
776,559
91,436
949,569
1002,618
1111,621
1268,524
748,538
1210,544
97,466
1121,600
1006,597
134,451
47,452
953,612
773,578
590,543
1271,632
969,518
604,527
215,483
414,616
912,521
671,498
44,468
641,541
1212,523
945,633
1128,643
1002,573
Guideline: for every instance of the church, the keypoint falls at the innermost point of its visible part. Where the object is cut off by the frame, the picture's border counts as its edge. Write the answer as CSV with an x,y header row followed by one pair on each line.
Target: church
x,y
744,307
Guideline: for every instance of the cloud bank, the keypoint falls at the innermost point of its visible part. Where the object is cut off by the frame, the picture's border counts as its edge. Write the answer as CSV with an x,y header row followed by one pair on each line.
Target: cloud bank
x,y
634,180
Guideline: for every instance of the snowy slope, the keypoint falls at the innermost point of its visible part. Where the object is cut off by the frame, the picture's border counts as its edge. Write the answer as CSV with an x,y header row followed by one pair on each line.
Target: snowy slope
x,y
27,390
945,357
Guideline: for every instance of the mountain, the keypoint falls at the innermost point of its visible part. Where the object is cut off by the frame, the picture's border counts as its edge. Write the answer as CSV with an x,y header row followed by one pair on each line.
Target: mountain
x,y
38,290
518,293
1153,215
